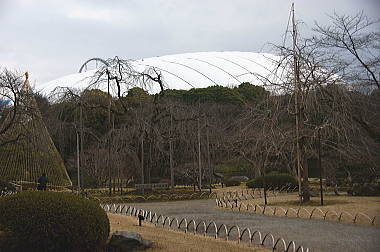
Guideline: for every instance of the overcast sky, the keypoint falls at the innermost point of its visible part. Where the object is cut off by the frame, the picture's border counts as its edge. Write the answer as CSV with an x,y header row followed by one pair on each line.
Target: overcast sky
x,y
52,38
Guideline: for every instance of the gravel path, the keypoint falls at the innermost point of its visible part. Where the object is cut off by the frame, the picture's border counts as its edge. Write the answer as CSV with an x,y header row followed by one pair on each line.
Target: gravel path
x,y
318,235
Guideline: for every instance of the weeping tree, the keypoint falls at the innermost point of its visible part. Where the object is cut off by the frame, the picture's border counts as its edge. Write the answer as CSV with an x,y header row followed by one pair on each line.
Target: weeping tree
x,y
101,117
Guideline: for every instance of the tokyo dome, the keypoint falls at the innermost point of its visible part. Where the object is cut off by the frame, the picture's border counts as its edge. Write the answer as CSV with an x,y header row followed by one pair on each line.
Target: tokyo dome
x,y
188,70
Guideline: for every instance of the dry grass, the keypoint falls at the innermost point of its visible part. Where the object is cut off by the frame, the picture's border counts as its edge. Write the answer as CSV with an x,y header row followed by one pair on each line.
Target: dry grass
x,y
219,190
348,204
172,241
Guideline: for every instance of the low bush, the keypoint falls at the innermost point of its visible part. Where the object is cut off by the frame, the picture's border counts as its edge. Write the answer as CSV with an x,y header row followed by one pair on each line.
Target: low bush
x,y
51,221
5,186
234,167
154,196
232,182
273,180
366,189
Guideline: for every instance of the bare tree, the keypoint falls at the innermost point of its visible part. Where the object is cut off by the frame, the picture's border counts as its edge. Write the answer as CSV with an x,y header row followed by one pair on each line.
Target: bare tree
x,y
354,41
326,99
14,105
11,84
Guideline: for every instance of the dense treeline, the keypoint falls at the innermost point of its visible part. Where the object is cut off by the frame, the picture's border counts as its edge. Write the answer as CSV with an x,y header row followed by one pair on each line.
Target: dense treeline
x,y
239,131
147,118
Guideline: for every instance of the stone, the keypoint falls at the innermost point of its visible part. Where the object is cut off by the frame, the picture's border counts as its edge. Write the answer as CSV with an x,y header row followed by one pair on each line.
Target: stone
x,y
123,241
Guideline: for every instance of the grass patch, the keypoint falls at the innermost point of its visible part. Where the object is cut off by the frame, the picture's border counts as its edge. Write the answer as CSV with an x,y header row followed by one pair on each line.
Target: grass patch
x,y
316,203
166,240
331,203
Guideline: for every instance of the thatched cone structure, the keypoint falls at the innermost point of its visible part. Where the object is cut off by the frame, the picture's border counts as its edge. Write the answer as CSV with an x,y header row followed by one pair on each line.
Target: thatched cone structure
x,y
30,151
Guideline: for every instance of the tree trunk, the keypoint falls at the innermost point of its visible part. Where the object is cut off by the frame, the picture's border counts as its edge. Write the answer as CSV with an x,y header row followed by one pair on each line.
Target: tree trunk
x,y
142,160
171,151
210,173
305,182
199,155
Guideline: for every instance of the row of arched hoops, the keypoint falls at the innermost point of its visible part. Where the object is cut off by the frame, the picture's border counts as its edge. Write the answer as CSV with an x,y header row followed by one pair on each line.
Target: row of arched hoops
x,y
255,193
295,212
210,229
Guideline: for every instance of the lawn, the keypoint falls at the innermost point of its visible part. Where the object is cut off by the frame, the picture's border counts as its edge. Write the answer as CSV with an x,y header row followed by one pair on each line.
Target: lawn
x,y
347,204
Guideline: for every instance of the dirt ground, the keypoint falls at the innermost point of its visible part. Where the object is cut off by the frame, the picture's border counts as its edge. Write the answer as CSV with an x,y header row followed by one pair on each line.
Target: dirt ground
x,y
172,241
346,204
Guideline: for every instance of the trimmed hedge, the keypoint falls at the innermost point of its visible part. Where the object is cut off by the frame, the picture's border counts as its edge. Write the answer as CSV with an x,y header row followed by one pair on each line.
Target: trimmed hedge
x,y
273,180
367,189
51,221
232,182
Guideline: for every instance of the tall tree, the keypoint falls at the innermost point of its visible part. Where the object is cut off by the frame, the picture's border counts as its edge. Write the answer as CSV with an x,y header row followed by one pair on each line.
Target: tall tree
x,y
354,43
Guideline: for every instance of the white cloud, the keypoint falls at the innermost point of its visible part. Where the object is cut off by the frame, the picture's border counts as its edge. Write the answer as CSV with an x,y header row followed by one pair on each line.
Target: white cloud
x,y
85,12
91,14
51,38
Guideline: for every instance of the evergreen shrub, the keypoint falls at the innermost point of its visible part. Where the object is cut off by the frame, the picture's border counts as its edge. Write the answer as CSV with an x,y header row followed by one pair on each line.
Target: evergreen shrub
x,y
366,189
51,221
231,182
273,180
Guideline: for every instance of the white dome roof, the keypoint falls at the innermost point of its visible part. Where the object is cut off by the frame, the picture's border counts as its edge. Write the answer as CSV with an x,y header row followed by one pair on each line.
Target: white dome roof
x,y
192,70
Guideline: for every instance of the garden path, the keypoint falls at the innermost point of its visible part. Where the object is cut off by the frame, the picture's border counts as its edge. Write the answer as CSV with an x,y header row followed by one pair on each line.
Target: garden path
x,y
318,235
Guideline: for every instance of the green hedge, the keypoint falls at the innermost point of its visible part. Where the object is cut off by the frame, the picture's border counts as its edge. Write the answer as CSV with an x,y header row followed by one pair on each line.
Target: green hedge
x,y
51,221
234,167
231,182
367,189
273,180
